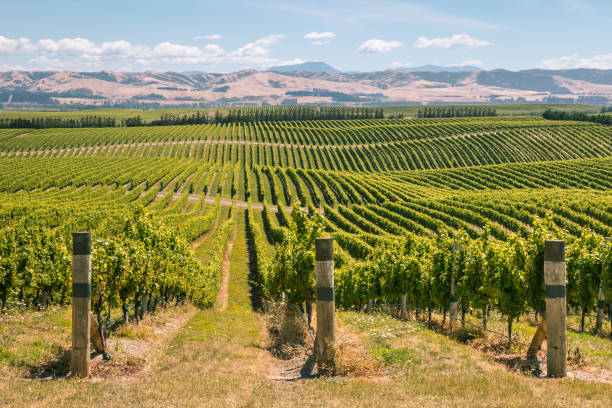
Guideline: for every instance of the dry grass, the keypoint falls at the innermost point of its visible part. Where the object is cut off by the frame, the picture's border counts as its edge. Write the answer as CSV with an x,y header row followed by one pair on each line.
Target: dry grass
x,y
287,333
219,359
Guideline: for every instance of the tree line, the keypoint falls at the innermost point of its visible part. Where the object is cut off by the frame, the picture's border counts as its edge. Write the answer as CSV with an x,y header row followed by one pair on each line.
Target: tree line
x,y
582,117
232,115
56,122
255,114
455,111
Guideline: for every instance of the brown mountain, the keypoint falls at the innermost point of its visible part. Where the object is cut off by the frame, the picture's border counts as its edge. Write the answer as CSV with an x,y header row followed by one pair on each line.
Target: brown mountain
x,y
258,87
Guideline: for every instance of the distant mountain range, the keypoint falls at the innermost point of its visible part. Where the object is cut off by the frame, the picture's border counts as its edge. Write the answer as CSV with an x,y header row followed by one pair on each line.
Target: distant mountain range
x,y
314,66
307,83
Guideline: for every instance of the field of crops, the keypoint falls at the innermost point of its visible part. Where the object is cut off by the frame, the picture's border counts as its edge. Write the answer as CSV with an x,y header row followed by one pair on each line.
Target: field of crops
x,y
395,194
375,180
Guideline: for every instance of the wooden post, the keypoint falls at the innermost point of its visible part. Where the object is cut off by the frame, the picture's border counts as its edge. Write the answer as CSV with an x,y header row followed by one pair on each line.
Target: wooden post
x,y
453,298
601,301
326,303
556,336
81,296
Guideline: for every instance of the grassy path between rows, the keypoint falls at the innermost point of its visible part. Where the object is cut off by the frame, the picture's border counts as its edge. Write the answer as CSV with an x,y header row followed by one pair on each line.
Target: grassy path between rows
x,y
218,359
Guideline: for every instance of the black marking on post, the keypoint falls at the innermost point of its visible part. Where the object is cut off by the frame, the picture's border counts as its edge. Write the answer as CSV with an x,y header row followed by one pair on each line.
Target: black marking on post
x,y
554,251
81,243
555,291
324,249
601,304
453,298
81,290
325,293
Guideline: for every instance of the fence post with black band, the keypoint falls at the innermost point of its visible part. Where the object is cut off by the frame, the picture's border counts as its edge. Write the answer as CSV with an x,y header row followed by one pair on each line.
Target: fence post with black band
x,y
81,296
453,299
601,300
556,336
326,303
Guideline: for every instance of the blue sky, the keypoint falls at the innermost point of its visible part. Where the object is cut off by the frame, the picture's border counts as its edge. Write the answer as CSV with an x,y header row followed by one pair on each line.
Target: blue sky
x,y
187,35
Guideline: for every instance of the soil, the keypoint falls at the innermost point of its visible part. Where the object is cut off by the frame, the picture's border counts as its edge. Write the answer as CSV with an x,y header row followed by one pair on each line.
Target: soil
x,y
223,295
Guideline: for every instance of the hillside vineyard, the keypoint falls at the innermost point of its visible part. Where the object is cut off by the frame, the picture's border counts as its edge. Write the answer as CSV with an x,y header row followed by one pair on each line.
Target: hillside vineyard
x,y
375,181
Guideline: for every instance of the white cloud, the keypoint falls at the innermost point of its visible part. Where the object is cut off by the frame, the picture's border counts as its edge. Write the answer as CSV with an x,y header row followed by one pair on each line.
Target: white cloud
x,y
601,61
121,47
376,46
320,38
259,48
168,49
12,46
67,46
294,61
207,37
450,42
80,53
327,35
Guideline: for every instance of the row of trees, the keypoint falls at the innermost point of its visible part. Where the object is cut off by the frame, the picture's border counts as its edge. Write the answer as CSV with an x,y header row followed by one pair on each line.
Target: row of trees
x,y
582,117
231,115
56,122
455,111
253,114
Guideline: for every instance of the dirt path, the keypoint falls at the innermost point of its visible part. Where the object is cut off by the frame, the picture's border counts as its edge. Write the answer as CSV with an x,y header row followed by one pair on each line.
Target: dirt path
x,y
223,295
206,235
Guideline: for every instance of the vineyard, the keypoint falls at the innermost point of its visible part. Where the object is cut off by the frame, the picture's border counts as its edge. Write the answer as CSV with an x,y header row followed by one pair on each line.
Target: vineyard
x,y
413,206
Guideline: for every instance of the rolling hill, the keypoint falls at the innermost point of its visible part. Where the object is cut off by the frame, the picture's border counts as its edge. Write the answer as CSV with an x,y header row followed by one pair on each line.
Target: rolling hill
x,y
308,83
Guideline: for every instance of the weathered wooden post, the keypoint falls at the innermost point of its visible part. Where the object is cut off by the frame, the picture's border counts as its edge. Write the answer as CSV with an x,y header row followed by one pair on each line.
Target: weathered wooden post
x,y
601,301
326,303
81,295
556,330
453,298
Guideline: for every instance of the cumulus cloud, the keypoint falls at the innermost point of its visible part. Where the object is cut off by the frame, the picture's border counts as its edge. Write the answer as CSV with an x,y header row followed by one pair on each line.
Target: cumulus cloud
x,y
320,38
12,46
377,46
259,48
207,37
450,42
67,53
67,46
327,35
600,61
294,61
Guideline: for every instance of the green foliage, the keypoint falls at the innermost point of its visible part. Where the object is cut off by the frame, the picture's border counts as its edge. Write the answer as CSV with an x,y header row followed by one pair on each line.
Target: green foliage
x,y
292,269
